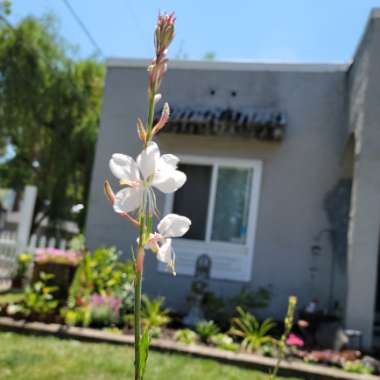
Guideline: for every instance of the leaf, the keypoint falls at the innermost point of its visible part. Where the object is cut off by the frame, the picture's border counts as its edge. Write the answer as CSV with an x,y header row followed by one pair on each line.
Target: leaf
x,y
144,350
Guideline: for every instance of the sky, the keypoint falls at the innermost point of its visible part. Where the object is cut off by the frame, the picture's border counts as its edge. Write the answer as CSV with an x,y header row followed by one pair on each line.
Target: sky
x,y
240,30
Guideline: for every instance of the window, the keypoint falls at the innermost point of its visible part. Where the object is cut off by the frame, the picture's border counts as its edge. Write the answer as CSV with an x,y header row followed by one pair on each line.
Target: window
x,y
229,217
192,199
221,198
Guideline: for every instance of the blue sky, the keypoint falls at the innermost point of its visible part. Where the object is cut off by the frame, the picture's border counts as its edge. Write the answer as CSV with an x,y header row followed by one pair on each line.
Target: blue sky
x,y
266,30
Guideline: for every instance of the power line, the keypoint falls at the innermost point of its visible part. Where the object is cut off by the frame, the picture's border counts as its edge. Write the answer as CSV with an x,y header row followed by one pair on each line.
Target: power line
x,y
83,26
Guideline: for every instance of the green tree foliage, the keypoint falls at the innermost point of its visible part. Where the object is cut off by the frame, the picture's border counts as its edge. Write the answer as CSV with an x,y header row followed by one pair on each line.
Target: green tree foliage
x,y
49,112
5,7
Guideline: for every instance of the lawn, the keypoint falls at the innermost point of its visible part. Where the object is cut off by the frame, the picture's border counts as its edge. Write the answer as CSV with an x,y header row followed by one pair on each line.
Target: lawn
x,y
44,358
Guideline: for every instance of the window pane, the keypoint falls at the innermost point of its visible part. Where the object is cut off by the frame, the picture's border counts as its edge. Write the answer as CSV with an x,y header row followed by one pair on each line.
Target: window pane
x,y
232,201
192,199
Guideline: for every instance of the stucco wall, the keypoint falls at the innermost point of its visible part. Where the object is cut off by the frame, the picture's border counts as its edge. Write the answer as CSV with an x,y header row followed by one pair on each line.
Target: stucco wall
x,y
363,249
297,173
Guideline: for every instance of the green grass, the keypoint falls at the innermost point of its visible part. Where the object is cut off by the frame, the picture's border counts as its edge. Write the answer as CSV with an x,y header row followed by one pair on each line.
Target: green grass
x,y
44,358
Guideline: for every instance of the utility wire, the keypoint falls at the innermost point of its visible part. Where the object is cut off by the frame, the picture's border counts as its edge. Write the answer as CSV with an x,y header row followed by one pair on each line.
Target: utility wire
x,y
83,27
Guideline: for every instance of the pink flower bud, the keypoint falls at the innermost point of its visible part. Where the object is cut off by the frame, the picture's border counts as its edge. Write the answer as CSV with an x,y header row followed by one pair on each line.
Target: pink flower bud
x,y
163,120
164,34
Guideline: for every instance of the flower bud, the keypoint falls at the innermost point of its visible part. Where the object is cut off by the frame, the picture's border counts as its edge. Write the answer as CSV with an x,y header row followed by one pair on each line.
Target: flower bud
x,y
109,192
141,130
157,98
111,197
164,34
163,119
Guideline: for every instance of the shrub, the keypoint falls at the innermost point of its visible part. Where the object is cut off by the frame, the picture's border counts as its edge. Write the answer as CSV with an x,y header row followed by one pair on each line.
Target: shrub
x,y
38,298
57,256
254,334
104,310
222,310
101,272
186,336
206,330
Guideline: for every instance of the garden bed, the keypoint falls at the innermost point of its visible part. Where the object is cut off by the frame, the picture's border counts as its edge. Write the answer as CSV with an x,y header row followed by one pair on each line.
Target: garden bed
x,y
288,368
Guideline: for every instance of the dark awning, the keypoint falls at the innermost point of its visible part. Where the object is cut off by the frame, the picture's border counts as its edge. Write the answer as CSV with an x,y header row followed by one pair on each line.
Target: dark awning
x,y
261,124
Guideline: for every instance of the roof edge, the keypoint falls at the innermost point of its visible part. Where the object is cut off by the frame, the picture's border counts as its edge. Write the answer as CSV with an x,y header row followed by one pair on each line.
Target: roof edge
x,y
231,65
374,14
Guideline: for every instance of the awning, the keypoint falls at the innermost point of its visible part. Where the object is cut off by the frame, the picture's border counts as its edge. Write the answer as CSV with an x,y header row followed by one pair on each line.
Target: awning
x,y
262,124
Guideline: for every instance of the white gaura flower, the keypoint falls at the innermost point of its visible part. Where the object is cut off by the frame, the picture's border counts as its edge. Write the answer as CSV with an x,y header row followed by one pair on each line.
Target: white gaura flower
x,y
149,169
171,226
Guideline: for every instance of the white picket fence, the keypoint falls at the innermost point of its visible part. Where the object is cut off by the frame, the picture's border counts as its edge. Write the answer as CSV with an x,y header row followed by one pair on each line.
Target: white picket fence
x,y
10,248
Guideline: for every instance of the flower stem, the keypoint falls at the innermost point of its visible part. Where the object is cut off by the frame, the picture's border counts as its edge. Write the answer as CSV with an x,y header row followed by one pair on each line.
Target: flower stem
x,y
138,324
139,264
149,124
288,322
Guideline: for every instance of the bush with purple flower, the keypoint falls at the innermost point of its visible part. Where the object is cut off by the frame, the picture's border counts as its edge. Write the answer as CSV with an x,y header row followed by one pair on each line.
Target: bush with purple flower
x,y
58,256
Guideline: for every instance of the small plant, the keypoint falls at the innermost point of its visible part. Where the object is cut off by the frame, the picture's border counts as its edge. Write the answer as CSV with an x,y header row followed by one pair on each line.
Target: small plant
x,y
224,341
23,262
288,323
358,367
268,350
186,336
38,298
154,316
206,330
104,310
113,330
249,328
80,316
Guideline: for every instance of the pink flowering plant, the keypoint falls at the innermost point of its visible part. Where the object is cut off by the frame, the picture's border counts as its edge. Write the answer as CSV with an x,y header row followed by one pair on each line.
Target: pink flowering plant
x,y
140,179
55,255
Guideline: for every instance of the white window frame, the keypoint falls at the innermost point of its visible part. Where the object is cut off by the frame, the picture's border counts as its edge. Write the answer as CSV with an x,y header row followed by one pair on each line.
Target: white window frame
x,y
230,261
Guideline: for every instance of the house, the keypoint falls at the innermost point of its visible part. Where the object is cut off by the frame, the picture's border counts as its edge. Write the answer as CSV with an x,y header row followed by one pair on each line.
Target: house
x,y
283,162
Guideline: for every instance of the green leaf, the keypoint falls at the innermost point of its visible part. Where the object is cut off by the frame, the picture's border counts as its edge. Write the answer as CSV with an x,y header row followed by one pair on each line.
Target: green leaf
x,y
144,350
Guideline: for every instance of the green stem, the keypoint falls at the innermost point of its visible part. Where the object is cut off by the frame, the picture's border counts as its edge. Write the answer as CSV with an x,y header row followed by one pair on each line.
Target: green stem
x,y
280,358
138,286
149,124
138,325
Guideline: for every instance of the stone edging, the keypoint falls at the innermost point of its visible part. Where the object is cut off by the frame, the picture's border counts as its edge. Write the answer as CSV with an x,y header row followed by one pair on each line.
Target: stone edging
x,y
288,368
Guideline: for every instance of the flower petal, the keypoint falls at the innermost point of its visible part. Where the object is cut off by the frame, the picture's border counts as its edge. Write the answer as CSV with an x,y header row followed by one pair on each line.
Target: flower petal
x,y
124,167
148,159
169,181
166,253
168,159
173,225
128,199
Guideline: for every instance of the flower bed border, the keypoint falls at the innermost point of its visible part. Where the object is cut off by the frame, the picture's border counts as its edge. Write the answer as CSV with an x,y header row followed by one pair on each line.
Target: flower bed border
x,y
288,368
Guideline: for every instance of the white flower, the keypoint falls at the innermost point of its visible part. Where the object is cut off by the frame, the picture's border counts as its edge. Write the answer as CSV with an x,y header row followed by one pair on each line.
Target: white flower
x,y
149,169
171,226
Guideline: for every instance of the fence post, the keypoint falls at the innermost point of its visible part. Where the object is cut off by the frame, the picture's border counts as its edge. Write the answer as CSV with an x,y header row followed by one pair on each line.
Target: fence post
x,y
26,217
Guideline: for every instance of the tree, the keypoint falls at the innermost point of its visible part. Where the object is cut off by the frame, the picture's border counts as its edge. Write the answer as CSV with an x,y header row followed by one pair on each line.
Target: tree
x,y
49,112
209,56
